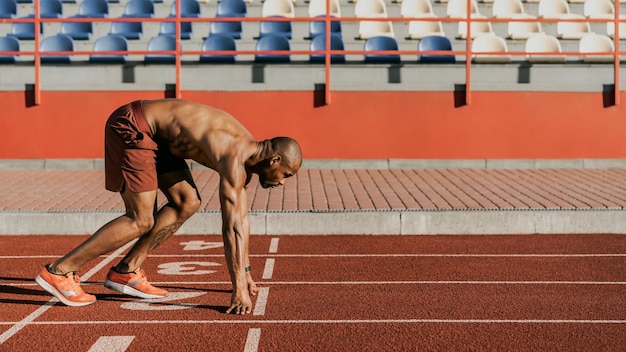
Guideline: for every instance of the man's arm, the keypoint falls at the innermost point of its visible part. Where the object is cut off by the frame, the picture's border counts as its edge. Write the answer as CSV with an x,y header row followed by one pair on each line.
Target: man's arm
x,y
234,233
252,288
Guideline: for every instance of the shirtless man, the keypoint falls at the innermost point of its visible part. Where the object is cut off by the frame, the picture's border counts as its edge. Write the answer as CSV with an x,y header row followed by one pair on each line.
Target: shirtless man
x,y
146,143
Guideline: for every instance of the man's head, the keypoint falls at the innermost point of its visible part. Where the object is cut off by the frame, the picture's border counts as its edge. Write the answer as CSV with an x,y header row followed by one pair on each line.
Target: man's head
x,y
284,161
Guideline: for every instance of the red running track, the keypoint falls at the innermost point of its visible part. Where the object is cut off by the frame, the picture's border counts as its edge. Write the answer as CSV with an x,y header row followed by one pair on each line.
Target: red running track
x,y
335,293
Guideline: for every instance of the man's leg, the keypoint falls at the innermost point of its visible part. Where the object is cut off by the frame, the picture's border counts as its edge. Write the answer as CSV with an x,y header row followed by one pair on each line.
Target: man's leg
x,y
60,279
183,202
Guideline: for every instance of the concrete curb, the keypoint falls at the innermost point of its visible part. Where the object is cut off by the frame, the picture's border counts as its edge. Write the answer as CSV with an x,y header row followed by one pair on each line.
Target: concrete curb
x,y
395,222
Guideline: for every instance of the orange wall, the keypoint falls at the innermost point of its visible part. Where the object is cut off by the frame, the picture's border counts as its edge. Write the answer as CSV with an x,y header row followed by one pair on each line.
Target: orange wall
x,y
356,125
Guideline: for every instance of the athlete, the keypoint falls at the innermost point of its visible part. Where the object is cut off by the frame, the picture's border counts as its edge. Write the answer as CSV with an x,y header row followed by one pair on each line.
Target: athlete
x,y
146,144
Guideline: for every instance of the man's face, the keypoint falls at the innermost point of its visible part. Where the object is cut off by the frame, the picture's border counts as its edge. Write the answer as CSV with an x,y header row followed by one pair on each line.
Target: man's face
x,y
274,175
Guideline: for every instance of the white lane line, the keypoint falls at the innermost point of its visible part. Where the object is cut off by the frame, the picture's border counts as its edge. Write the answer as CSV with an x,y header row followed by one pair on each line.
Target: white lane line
x,y
432,282
268,271
261,301
274,245
380,255
112,344
252,342
340,321
39,311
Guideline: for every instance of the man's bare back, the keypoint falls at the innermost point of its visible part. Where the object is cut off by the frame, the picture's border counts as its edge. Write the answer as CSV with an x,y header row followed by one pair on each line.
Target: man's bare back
x,y
199,132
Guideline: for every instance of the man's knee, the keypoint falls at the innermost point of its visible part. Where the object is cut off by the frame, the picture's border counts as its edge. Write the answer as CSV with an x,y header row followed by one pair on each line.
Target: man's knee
x,y
144,224
188,207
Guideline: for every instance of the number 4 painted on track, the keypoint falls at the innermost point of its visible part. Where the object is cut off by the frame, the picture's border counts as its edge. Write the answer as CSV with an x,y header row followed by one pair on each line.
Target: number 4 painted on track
x,y
200,245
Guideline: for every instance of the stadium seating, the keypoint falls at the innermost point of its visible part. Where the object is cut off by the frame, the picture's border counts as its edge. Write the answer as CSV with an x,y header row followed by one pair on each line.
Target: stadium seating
x,y
370,9
275,27
23,30
231,8
111,42
93,8
380,43
218,42
488,43
272,42
506,8
368,29
169,28
596,43
476,28
130,30
139,8
8,8
458,8
188,8
552,8
435,43
420,29
599,9
319,27
318,8
543,43
59,42
572,30
522,30
319,43
282,8
9,44
77,30
610,28
416,8
159,43
232,29
50,8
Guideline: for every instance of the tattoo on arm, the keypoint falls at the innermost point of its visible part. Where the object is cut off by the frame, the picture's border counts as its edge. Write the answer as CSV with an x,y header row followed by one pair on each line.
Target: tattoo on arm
x,y
163,234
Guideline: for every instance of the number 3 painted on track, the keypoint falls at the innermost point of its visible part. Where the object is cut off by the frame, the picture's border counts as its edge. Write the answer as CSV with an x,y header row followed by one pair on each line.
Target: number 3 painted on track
x,y
186,268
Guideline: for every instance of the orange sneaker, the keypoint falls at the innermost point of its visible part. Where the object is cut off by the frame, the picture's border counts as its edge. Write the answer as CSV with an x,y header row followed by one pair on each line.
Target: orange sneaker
x,y
134,284
64,287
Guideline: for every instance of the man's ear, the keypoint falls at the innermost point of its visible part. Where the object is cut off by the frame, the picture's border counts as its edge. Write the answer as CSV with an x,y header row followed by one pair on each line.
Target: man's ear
x,y
275,159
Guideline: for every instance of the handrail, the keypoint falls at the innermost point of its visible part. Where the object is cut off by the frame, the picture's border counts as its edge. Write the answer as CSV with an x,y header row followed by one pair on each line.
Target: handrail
x,y
37,20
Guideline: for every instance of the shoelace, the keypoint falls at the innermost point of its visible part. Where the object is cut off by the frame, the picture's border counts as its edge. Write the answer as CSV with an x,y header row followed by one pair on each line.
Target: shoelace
x,y
76,283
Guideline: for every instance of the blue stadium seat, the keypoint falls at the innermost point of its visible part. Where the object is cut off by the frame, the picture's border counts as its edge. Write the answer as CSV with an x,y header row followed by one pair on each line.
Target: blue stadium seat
x,y
319,27
231,8
319,43
435,42
188,8
77,30
381,43
25,31
161,42
232,29
272,42
130,30
59,42
50,8
93,8
25,1
111,42
8,8
9,44
139,8
169,28
278,28
217,42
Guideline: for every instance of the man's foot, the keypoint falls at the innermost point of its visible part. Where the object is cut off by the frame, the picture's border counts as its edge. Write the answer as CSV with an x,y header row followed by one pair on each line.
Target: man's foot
x,y
134,284
64,287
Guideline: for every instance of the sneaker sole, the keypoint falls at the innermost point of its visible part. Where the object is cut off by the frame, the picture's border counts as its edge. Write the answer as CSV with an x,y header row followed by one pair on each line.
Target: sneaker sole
x,y
128,290
53,291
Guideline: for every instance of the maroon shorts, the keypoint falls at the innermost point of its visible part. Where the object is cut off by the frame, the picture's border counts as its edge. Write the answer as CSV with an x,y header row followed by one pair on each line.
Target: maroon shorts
x,y
131,155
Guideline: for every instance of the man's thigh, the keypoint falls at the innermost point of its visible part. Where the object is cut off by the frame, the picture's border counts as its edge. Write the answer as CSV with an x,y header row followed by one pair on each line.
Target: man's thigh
x,y
178,186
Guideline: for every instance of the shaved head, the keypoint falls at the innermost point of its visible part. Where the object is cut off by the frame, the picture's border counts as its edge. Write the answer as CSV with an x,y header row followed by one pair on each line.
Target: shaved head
x,y
289,150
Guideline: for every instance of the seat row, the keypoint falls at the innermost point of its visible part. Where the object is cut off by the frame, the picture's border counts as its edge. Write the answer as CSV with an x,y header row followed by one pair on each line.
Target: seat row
x,y
286,8
220,48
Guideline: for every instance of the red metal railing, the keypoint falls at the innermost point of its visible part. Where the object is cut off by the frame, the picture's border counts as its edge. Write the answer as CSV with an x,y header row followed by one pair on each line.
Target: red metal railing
x,y
37,20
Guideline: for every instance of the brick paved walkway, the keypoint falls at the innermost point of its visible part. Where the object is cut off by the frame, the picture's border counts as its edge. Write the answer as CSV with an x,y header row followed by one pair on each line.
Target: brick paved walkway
x,y
346,191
